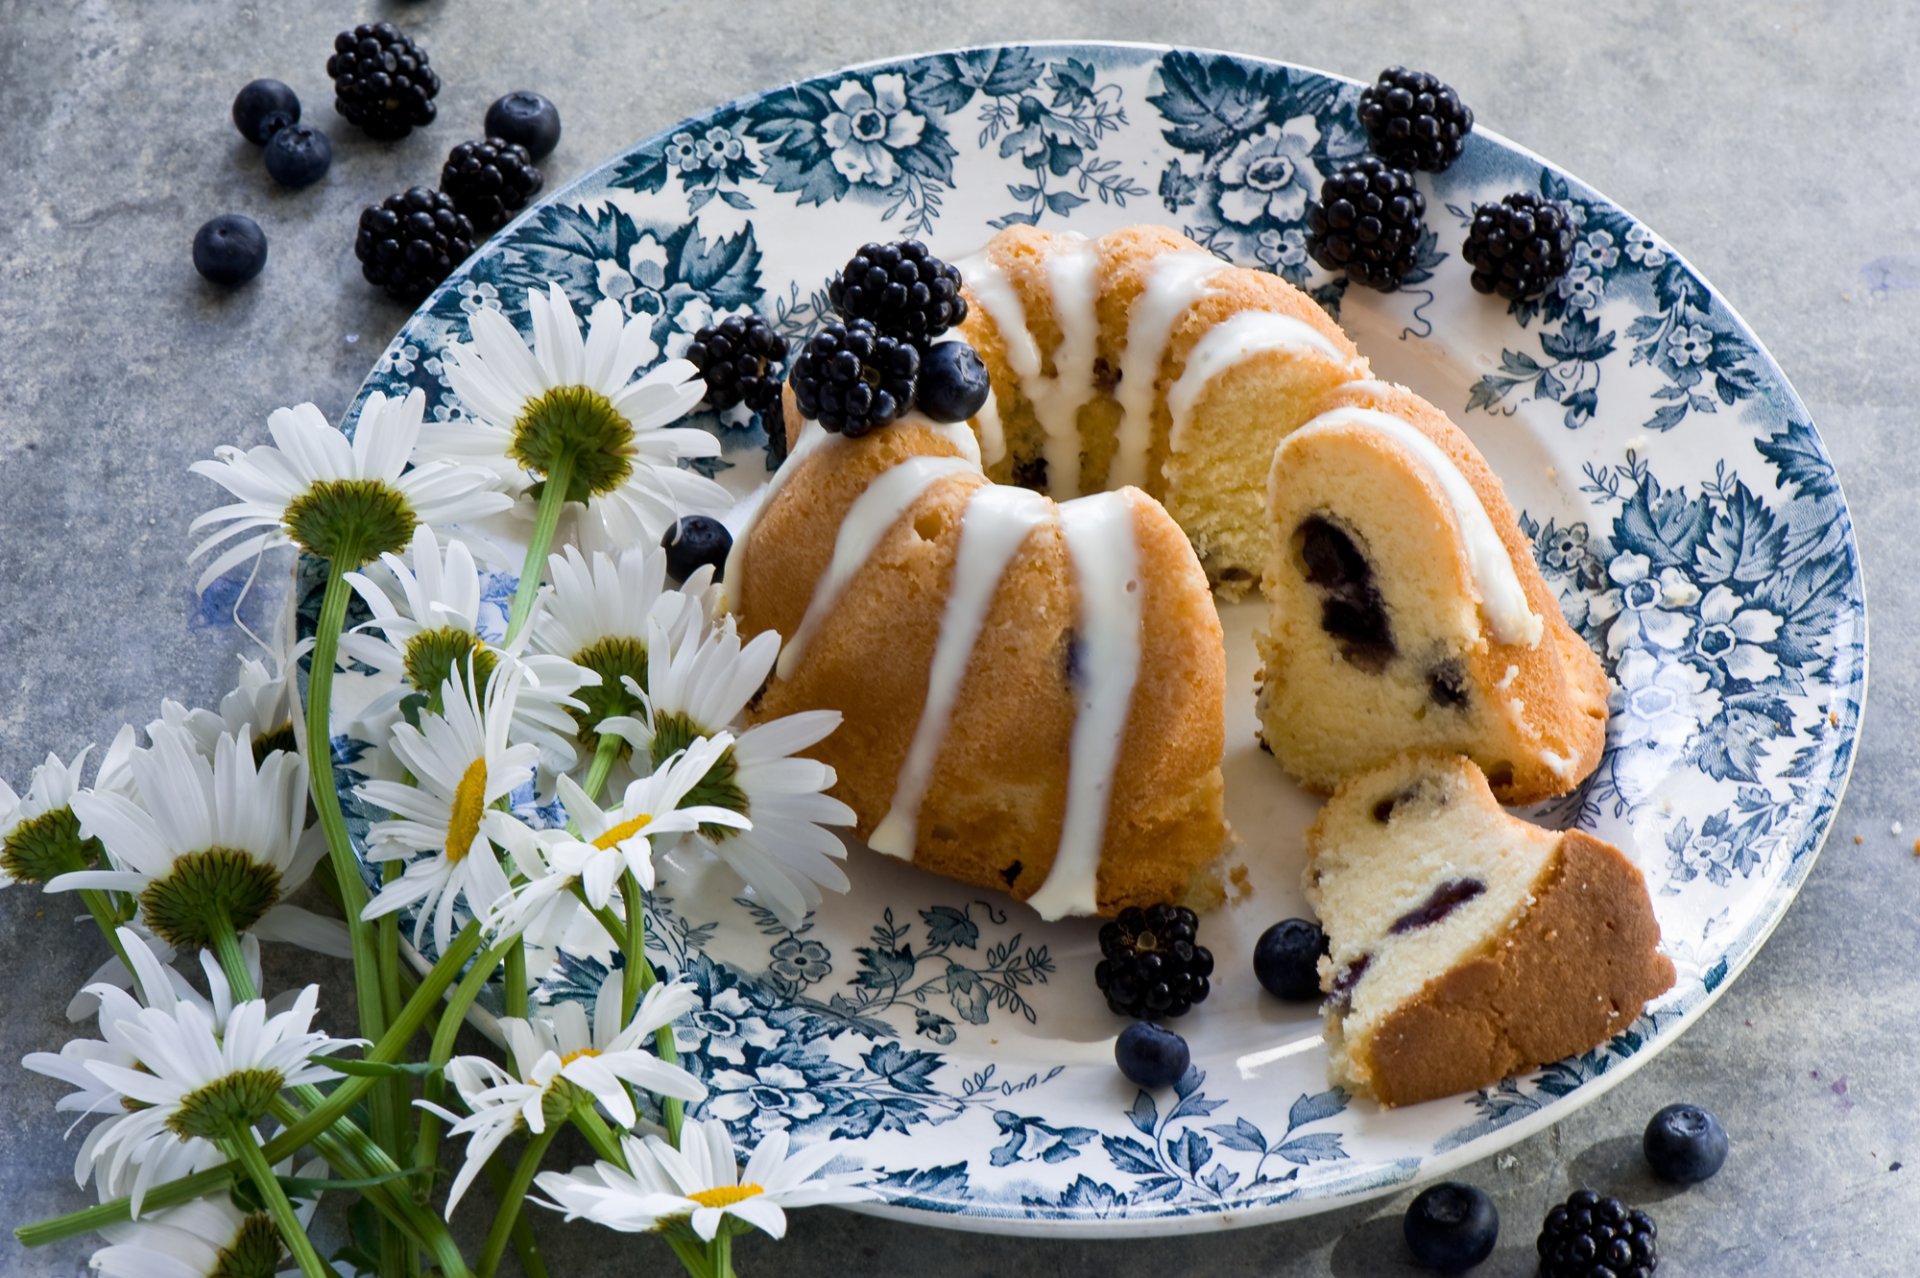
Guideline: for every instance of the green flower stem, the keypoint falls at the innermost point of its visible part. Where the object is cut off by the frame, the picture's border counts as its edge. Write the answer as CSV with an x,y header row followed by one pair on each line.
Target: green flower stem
x,y
637,978
692,1252
510,1201
341,1099
722,1252
106,915
243,1149
427,1140
605,1144
233,960
604,754
553,496
525,1248
514,977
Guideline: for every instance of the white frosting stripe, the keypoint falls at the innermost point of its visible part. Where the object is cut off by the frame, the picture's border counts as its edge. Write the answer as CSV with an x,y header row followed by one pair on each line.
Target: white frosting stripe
x,y
1106,562
1177,281
997,521
872,514
1502,598
1226,344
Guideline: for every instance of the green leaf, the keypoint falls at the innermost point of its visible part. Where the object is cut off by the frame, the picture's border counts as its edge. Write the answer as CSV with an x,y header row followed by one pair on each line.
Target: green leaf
x,y
384,1069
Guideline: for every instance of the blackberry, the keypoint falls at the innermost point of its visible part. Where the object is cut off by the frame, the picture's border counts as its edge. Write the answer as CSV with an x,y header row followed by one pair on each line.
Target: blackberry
x,y
1415,121
852,378
1519,246
1152,964
740,359
905,290
1367,222
410,242
1593,1237
381,80
490,181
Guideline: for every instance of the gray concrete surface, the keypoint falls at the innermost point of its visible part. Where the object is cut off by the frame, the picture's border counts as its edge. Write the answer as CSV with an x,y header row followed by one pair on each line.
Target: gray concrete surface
x,y
1771,142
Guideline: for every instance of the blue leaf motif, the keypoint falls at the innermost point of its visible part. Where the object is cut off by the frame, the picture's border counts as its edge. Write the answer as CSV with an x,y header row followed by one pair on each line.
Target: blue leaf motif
x,y
1209,101
1190,1152
948,926
910,1071
1144,1115
1130,1156
948,83
1311,1109
1241,1135
1743,543
969,993
1316,1147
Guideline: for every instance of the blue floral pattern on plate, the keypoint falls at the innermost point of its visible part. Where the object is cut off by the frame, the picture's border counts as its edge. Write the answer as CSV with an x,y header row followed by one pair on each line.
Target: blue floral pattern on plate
x,y
1677,493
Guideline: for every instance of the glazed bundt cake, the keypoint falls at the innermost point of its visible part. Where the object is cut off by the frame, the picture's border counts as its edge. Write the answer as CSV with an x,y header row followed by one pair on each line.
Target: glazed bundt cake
x,y
1407,612
1032,693
1465,944
1138,358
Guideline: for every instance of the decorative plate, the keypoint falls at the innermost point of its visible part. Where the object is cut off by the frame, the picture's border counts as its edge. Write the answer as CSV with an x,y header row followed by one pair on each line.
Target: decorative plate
x,y
1678,497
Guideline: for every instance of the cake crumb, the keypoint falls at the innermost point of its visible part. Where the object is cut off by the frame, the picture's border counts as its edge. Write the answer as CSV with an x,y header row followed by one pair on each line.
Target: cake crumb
x,y
1833,718
1553,472
1858,839
1896,828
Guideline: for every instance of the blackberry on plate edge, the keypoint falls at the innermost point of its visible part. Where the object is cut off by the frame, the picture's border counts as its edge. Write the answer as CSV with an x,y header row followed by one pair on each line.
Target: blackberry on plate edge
x,y
1152,964
953,382
1150,1055
230,249
381,80
1519,246
410,242
852,378
298,155
262,108
490,181
1368,222
1286,960
695,542
1415,121
1593,1237
526,118
1451,1227
740,359
902,287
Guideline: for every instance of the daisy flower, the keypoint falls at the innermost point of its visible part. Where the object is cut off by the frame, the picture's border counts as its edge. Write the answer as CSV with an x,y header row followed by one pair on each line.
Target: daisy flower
x,y
40,836
263,704
345,500
574,402
433,618
177,1072
206,837
702,1183
205,1238
464,765
623,839
564,1062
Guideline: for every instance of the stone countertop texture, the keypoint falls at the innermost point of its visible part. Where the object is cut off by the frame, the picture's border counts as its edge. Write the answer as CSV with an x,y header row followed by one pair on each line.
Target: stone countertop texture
x,y
1770,142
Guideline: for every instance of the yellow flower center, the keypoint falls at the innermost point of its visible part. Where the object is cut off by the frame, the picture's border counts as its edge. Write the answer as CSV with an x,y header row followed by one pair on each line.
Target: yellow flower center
x,y
469,803
726,1195
571,1057
625,830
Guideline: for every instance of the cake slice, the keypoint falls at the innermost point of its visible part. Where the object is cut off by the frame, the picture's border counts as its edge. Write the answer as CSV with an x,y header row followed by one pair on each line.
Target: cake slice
x,y
1407,612
1466,944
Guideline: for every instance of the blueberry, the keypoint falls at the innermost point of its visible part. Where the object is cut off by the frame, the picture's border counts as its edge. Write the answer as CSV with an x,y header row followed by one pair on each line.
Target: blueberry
x,y
1451,1227
527,118
1287,959
298,155
694,541
1685,1144
1151,1056
953,382
263,108
230,249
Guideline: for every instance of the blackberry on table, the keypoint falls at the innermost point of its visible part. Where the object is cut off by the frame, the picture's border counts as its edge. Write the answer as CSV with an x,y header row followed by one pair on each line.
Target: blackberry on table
x,y
410,242
381,80
1368,222
1152,964
740,359
1593,1237
1415,121
904,289
852,378
1520,246
490,181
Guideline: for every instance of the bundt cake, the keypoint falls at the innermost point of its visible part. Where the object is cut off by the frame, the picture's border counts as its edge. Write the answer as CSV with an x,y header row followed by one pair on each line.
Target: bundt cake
x,y
1466,944
1138,358
1032,693
1407,612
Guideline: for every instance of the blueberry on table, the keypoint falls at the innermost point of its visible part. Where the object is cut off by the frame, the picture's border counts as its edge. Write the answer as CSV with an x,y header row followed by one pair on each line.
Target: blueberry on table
x,y
298,155
695,542
1451,1227
1685,1144
953,382
1286,959
230,249
1151,1056
526,118
263,108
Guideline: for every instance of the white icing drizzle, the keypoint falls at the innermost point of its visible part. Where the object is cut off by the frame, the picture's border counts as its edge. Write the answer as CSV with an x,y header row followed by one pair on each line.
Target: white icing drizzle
x,y
867,521
1106,562
1226,344
996,523
1056,400
1176,282
1502,598
812,436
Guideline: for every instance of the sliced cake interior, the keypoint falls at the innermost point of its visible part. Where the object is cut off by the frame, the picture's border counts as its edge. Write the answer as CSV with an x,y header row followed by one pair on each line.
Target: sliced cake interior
x,y
1466,944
